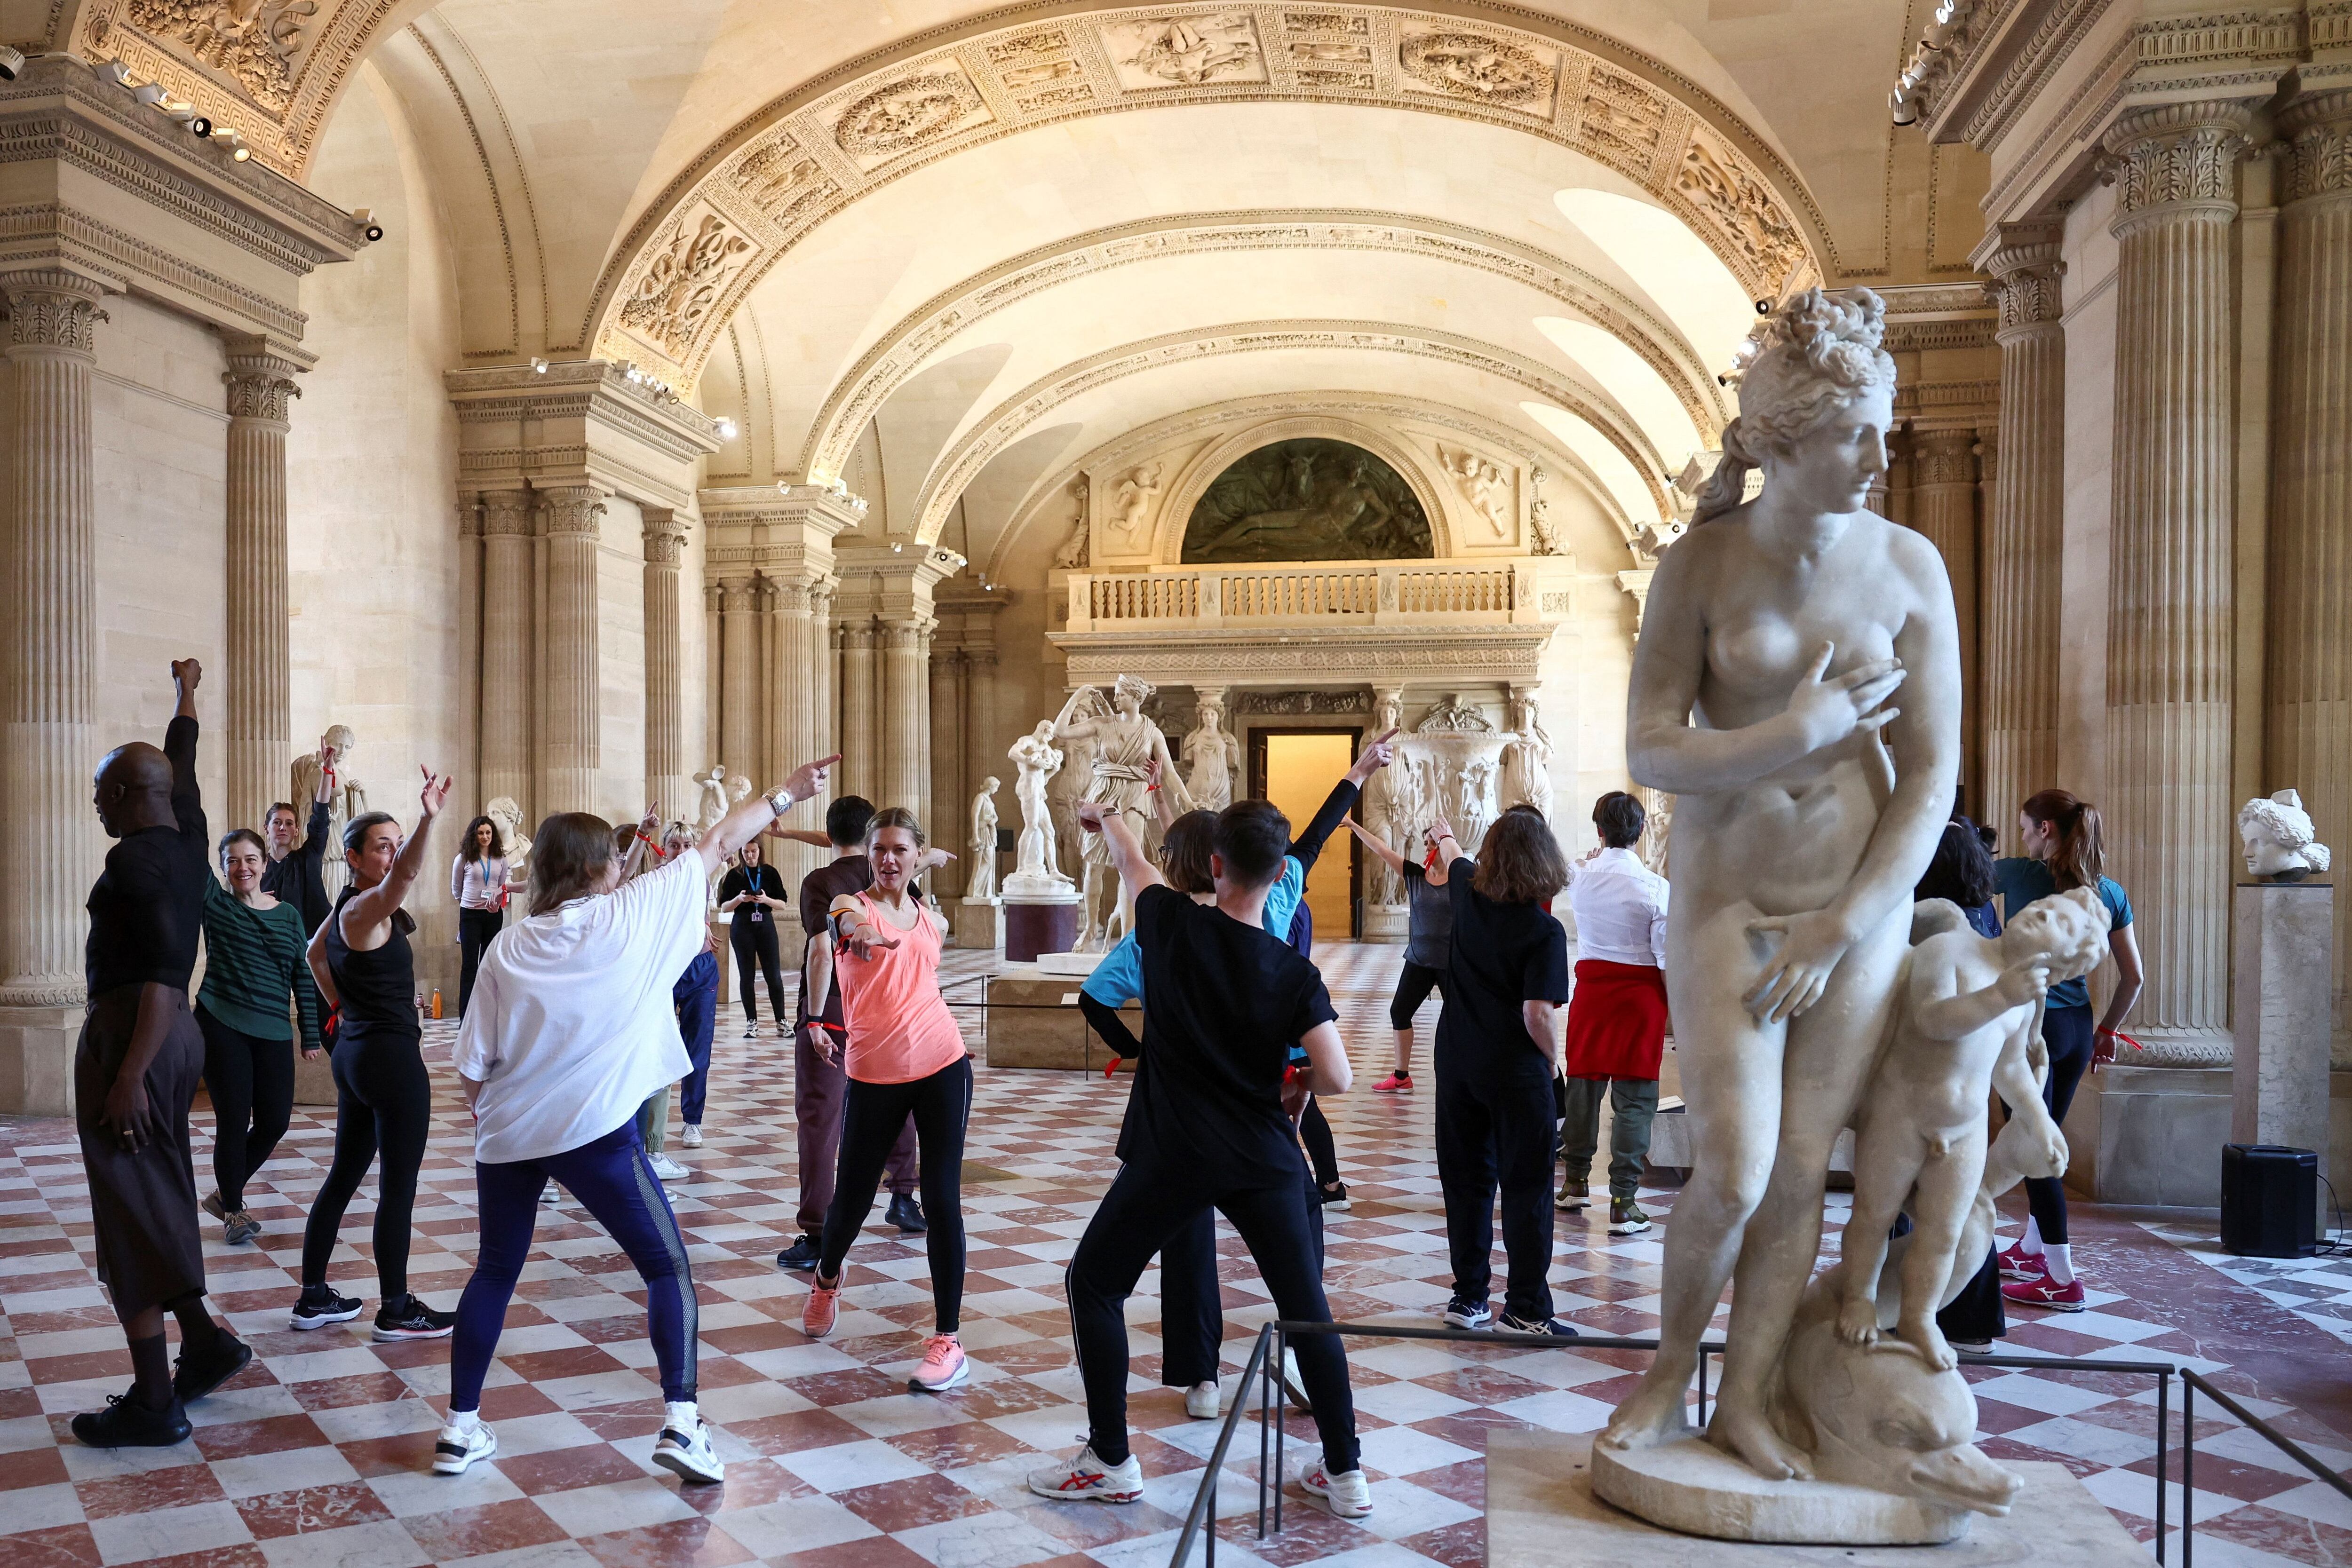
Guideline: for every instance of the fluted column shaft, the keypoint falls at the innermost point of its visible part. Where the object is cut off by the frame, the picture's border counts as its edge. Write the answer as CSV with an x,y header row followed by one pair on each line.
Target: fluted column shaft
x,y
739,667
48,839
797,700
1944,509
714,672
2310,624
507,600
2022,554
906,716
825,650
259,717
575,521
861,768
665,769
2169,583
944,803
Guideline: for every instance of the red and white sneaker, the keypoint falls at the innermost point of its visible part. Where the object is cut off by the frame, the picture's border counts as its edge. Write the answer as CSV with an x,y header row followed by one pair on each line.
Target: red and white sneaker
x,y
2046,1292
823,1306
1393,1082
1088,1479
1348,1495
2016,1263
944,1366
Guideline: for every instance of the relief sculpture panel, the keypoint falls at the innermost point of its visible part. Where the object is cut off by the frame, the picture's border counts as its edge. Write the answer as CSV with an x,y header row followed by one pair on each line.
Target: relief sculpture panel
x,y
1311,498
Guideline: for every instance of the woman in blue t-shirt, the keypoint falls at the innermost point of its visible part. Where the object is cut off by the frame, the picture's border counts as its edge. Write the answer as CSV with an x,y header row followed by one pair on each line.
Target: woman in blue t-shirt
x,y
2061,838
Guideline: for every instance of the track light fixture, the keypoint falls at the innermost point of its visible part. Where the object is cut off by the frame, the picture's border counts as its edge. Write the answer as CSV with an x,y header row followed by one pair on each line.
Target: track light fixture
x,y
725,429
199,126
11,62
150,93
538,366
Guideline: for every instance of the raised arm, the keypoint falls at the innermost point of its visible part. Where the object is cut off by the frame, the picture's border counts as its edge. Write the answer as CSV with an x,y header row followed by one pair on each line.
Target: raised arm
x,y
1162,806
1395,861
1135,869
808,836
373,907
1307,848
754,813
180,746
1948,1017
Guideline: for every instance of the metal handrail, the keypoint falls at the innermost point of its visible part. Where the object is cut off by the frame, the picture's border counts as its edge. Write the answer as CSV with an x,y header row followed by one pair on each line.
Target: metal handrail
x,y
1261,1365
2191,1383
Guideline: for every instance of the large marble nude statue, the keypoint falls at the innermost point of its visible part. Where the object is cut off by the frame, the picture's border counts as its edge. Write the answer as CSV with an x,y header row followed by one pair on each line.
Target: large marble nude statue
x,y
1035,762
1775,633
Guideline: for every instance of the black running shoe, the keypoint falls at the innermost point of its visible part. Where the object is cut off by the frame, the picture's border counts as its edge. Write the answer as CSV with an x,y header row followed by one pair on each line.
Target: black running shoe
x,y
1550,1328
907,1214
1461,1313
321,1305
127,1424
409,1318
802,1254
198,1373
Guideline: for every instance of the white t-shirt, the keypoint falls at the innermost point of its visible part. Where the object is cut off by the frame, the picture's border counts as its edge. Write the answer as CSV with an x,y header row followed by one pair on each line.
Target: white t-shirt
x,y
571,1026
1621,909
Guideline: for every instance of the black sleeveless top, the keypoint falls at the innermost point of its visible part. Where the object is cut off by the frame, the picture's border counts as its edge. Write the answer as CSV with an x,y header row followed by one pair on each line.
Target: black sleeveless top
x,y
378,987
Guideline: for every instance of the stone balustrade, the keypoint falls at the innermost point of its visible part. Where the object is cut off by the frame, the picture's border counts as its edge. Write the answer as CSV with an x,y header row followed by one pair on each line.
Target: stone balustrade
x,y
1367,594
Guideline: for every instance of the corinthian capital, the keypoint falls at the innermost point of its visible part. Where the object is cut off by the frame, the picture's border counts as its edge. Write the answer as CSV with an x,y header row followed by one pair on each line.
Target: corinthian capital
x,y
1944,457
665,535
2317,131
2178,157
260,377
505,512
2024,261
573,510
52,308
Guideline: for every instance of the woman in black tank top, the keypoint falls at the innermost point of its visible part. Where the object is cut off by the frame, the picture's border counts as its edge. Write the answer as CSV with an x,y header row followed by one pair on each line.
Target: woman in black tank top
x,y
384,1098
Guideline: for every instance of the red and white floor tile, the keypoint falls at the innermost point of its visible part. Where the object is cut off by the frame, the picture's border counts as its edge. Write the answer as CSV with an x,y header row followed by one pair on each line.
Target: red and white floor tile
x,y
318,1453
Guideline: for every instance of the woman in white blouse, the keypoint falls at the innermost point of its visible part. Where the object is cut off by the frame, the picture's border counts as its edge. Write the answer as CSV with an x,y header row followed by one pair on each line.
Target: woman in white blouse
x,y
576,1027
479,882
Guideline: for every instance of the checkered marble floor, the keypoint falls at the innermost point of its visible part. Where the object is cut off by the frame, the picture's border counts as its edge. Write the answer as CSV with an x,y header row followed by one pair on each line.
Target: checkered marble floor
x,y
318,1453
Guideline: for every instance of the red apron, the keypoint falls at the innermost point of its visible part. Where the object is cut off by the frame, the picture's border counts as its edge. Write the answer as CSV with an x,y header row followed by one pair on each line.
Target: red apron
x,y
1616,1020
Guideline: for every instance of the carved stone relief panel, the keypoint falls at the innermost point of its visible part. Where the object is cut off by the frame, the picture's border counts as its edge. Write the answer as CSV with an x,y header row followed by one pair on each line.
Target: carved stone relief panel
x,y
1479,68
1734,200
1194,50
683,278
908,113
780,178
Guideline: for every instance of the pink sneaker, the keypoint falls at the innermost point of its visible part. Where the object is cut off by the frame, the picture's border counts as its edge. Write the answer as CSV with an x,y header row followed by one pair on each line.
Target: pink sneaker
x,y
1393,1082
2017,1264
944,1366
2047,1293
823,1306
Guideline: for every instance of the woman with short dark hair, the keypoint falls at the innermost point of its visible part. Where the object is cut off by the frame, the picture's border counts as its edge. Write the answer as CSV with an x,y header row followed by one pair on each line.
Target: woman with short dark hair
x,y
1506,977
252,963
384,1098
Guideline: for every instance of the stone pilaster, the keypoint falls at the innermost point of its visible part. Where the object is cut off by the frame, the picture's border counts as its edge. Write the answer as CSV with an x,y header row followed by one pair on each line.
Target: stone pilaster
x,y
739,677
575,516
905,715
49,845
666,766
2022,538
861,763
1944,509
506,602
945,803
797,698
714,660
2309,741
827,647
260,723
2170,654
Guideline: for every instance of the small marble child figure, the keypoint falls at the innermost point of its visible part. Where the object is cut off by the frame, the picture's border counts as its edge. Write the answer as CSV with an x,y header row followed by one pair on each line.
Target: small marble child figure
x,y
1968,1014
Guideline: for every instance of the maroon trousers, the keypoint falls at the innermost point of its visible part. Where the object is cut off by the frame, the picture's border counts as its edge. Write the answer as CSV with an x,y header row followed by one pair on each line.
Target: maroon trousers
x,y
820,1091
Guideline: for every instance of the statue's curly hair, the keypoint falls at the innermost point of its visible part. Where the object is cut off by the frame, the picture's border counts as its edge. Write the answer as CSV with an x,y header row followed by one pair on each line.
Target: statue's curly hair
x,y
2290,825
1816,353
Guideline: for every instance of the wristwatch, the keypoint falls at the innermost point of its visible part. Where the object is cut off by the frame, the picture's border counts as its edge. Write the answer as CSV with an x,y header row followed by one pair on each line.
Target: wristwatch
x,y
779,799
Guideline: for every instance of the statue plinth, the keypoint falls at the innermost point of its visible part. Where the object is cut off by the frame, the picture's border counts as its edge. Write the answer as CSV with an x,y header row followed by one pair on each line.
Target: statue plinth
x,y
1038,922
1694,1487
978,922
2279,1014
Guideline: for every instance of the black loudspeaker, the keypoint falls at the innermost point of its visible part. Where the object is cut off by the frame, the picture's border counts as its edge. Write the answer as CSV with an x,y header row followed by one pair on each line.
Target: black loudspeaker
x,y
2270,1201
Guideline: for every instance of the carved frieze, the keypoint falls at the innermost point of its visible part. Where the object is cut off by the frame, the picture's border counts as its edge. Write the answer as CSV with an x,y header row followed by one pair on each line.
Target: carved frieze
x,y
913,111
1303,703
780,179
1742,208
258,42
684,279
1480,68
1194,50
1621,116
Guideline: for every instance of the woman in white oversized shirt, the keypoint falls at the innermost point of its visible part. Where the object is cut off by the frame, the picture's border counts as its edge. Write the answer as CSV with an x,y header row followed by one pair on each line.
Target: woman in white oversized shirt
x,y
572,1029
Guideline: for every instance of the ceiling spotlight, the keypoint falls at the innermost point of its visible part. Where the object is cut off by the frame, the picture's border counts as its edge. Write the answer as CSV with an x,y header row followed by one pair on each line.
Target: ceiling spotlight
x,y
1902,107
198,125
239,151
150,93
115,71
895,547
726,430
11,62
1763,307
375,232
538,365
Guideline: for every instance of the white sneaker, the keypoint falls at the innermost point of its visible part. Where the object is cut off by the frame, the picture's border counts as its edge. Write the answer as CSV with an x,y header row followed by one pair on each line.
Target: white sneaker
x,y
751,1031
551,1195
1200,1402
690,1136
1348,1495
457,1447
1088,1479
689,1454
667,1168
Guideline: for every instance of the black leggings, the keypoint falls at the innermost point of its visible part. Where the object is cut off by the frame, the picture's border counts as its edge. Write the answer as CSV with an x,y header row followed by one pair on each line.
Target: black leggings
x,y
476,928
1414,986
1316,1133
754,945
871,1120
2068,1032
383,1103
1151,1208
252,1084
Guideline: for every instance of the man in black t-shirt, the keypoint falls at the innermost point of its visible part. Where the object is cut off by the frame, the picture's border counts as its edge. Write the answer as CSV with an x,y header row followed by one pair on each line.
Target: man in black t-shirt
x,y
1209,1123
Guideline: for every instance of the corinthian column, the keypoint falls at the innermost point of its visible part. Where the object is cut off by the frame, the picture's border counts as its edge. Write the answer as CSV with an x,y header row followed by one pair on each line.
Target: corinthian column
x,y
665,767
2022,551
505,651
2169,587
2310,674
906,774
48,839
1944,508
738,683
574,517
260,723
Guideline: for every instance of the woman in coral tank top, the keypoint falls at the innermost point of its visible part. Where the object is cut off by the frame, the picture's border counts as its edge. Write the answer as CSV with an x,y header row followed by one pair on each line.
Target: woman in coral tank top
x,y
904,1056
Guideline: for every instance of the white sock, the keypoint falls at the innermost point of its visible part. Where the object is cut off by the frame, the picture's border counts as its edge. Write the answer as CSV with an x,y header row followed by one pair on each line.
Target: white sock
x,y
466,1421
2032,1244
2061,1259
682,1416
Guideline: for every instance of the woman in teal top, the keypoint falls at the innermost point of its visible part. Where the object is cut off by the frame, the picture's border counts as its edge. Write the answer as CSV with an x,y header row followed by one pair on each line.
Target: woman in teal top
x,y
2061,837
254,966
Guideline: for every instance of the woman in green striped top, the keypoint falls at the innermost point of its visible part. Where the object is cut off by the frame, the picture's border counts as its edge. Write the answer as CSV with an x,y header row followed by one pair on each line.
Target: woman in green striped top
x,y
252,964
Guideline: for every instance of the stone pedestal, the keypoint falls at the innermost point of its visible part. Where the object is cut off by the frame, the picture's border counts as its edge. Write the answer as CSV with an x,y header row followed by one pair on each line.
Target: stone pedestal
x,y
2279,1007
978,922
2149,1135
1035,923
1384,922
37,1052
314,1080
1541,1512
1034,1022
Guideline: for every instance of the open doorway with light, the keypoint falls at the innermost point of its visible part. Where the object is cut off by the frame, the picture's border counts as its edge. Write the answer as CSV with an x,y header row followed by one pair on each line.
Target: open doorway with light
x,y
1295,770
